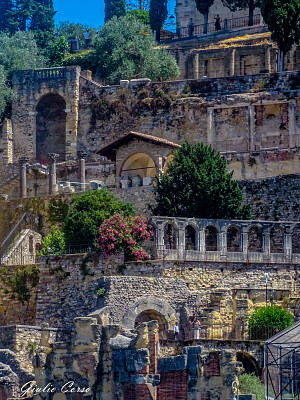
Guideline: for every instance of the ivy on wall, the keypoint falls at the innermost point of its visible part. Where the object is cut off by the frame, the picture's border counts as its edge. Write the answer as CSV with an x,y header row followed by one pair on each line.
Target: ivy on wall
x,y
21,281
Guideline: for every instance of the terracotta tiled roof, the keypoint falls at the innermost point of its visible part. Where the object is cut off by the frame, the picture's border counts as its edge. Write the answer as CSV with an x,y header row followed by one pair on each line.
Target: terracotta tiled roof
x,y
110,149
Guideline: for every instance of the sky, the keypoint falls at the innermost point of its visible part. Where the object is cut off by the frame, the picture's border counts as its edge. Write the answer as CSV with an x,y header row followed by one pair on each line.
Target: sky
x,y
89,12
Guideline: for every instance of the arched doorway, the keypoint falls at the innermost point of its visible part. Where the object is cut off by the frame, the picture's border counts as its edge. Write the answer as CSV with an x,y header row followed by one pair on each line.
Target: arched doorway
x,y
50,127
151,315
249,362
138,164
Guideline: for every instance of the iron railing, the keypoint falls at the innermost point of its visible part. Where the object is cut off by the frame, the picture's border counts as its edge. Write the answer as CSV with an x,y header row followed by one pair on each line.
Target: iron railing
x,y
226,332
226,25
23,223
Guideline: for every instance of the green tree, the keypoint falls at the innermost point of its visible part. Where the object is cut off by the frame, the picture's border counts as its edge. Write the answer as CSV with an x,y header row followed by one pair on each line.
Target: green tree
x,y
18,51
123,48
266,321
6,94
251,384
137,4
87,212
140,15
5,15
21,14
203,7
58,52
158,13
283,19
235,5
53,243
69,29
114,8
42,22
196,184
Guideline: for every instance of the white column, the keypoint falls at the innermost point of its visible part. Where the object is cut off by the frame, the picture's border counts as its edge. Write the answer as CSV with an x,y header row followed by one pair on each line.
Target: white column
x,y
210,125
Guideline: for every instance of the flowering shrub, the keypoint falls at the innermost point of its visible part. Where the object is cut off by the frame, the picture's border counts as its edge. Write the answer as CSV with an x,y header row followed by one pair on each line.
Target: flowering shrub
x,y
124,233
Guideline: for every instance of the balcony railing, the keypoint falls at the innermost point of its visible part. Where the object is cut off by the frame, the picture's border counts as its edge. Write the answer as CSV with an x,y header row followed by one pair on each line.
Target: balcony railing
x,y
47,74
226,25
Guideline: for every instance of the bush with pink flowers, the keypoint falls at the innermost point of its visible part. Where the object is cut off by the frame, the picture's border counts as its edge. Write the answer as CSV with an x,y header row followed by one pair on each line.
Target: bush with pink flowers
x,y
122,233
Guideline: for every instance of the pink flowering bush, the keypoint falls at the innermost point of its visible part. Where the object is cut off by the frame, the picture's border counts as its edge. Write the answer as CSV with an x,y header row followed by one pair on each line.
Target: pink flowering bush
x,y
124,233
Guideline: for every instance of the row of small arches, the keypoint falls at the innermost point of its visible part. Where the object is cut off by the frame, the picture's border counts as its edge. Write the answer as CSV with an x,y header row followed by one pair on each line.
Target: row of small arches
x,y
234,242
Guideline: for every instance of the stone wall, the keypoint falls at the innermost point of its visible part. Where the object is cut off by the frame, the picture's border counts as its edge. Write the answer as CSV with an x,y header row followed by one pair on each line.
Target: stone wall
x,y
13,311
274,199
226,293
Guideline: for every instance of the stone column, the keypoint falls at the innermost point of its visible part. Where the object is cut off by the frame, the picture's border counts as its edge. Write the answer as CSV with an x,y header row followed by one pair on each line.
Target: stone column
x,y
251,124
181,241
196,66
268,58
210,125
292,119
223,242
232,62
244,237
266,242
287,242
82,156
52,157
202,240
23,161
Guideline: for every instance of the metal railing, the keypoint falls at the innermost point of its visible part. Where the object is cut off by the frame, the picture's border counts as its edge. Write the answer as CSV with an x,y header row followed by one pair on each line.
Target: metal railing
x,y
226,25
47,74
13,233
226,332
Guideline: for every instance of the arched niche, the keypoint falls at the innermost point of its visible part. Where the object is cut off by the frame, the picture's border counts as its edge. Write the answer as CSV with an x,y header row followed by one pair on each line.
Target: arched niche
x,y
211,238
170,237
296,240
255,239
276,239
190,238
233,238
138,164
50,127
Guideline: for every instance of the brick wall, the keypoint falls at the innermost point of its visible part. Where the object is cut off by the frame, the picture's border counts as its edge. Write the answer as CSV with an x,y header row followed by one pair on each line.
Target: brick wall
x,y
173,385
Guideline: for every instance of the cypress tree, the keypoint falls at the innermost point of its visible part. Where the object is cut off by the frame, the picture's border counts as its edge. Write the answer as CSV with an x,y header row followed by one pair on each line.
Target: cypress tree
x,y
5,15
158,13
114,7
42,22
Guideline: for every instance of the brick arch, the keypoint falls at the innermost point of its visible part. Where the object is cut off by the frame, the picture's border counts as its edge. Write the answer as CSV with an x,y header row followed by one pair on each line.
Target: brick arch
x,y
146,305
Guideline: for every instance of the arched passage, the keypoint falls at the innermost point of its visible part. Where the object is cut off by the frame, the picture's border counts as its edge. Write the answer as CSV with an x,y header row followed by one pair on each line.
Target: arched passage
x,y
147,309
50,127
170,237
249,363
276,239
255,239
190,238
151,315
233,238
140,164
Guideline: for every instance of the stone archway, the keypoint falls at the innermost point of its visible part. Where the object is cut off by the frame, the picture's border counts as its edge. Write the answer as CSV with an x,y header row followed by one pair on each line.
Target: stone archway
x,y
50,127
249,362
139,164
152,315
150,308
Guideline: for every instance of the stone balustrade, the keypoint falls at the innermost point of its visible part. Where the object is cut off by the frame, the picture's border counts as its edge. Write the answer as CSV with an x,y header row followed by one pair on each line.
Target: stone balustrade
x,y
226,240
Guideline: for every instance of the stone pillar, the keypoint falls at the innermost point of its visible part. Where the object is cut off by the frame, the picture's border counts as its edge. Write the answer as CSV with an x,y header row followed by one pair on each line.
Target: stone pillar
x,y
52,157
210,125
196,66
287,242
181,241
223,242
82,156
251,124
23,161
232,62
268,58
244,237
266,242
202,240
292,119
